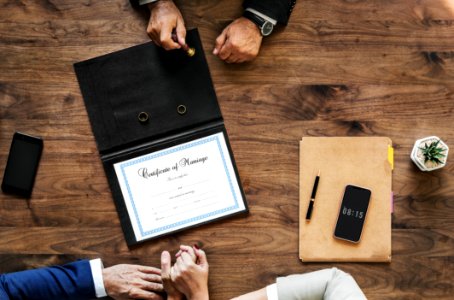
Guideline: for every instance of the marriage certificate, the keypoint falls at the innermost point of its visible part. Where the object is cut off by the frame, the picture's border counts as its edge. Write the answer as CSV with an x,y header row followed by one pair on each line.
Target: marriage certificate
x,y
179,187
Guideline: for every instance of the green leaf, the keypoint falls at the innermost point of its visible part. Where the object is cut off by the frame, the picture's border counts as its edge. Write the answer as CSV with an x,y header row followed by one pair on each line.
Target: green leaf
x,y
432,152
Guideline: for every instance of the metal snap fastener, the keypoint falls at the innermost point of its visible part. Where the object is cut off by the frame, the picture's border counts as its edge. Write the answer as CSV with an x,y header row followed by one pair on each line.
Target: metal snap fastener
x,y
143,117
181,109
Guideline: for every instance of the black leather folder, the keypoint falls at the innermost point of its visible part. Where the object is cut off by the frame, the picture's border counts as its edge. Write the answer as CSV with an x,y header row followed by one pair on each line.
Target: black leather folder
x,y
144,99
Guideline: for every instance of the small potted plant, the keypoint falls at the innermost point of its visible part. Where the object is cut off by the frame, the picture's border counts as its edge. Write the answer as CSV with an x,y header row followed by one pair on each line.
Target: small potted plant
x,y
429,153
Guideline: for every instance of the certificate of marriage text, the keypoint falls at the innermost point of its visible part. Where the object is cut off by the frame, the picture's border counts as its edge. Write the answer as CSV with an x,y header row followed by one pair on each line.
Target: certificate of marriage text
x,y
179,187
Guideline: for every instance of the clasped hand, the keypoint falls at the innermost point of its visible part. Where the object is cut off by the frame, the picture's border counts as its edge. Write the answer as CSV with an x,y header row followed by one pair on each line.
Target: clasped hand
x,y
188,276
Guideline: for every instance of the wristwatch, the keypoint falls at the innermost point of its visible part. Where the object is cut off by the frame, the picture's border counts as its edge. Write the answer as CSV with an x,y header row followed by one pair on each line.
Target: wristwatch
x,y
266,27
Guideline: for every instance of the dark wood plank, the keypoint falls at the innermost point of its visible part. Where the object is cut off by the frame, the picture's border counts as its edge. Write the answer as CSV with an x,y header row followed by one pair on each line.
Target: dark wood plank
x,y
280,66
304,35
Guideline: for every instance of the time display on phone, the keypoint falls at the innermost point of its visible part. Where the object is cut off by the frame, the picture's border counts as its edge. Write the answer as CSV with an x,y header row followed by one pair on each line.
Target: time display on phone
x,y
352,213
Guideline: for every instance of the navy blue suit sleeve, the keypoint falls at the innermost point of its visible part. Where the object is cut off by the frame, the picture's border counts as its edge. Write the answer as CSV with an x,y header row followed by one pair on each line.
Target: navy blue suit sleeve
x,y
72,281
279,10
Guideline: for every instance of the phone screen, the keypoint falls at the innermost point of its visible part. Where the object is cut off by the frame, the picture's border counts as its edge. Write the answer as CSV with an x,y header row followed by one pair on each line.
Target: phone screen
x,y
352,213
22,164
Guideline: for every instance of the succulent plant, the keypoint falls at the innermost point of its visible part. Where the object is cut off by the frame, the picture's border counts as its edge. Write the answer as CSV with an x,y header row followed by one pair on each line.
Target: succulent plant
x,y
432,152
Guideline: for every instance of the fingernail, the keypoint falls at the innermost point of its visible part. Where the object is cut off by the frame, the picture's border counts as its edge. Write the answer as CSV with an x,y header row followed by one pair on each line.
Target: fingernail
x,y
196,246
215,51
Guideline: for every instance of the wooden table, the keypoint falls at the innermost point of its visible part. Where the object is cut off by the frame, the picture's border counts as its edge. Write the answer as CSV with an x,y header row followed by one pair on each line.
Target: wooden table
x,y
355,68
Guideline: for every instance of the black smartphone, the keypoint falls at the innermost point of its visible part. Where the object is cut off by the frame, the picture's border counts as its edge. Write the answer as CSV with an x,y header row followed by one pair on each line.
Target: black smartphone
x,y
352,213
22,164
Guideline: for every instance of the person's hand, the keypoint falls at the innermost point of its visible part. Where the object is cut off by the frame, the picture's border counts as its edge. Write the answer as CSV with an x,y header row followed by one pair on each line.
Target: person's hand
x,y
132,282
172,292
164,18
189,250
191,278
239,42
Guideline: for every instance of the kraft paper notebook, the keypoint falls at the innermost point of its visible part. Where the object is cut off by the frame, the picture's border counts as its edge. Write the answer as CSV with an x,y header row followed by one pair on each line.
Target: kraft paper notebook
x,y
361,161
161,138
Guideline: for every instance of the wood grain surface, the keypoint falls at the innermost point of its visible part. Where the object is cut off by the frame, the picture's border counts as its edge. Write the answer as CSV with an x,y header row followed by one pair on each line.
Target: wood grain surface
x,y
354,68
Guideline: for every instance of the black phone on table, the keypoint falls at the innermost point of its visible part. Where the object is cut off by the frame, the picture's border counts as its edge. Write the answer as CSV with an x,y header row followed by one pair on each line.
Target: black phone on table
x,y
22,164
352,213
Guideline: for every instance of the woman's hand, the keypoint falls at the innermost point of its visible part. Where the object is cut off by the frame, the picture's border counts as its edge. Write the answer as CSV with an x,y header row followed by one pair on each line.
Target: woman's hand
x,y
189,277
190,250
172,292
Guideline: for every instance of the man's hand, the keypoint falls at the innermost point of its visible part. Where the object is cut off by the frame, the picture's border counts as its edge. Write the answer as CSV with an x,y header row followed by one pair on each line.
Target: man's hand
x,y
189,277
172,292
239,42
164,18
132,282
166,269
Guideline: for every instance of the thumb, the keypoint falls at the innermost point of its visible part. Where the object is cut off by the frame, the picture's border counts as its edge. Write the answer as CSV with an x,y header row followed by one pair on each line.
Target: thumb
x,y
220,41
201,258
181,33
165,265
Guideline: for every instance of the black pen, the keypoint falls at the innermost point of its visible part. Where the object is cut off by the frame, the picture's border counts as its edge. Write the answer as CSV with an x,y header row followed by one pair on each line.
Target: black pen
x,y
314,192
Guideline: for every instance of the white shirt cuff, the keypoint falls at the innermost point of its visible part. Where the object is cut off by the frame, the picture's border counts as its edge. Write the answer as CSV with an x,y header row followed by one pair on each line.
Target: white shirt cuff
x,y
96,271
273,21
271,292
143,2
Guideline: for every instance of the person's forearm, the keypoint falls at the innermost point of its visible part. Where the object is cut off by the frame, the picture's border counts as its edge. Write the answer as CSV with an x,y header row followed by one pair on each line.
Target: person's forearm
x,y
255,295
200,296
328,284
71,281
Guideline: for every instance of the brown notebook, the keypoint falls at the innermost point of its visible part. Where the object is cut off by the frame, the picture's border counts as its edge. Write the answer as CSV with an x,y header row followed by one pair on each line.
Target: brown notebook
x,y
361,161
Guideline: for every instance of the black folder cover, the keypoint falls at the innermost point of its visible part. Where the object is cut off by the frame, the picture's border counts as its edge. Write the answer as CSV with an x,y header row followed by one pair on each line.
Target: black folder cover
x,y
118,86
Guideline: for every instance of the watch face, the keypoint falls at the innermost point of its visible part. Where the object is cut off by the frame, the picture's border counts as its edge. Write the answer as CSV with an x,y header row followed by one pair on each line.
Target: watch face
x,y
267,28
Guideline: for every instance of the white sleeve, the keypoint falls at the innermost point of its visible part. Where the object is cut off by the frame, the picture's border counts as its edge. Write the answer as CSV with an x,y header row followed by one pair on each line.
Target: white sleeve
x,y
343,286
143,2
273,21
271,292
327,284
96,271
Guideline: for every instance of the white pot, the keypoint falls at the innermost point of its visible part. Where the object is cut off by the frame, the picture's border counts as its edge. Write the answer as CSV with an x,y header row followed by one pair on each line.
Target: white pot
x,y
418,158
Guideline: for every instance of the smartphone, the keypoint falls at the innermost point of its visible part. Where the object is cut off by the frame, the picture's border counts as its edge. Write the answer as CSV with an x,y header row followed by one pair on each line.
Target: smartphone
x,y
22,164
352,213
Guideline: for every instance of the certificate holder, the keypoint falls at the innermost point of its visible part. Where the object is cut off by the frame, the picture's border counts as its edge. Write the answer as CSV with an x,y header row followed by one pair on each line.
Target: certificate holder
x,y
161,138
